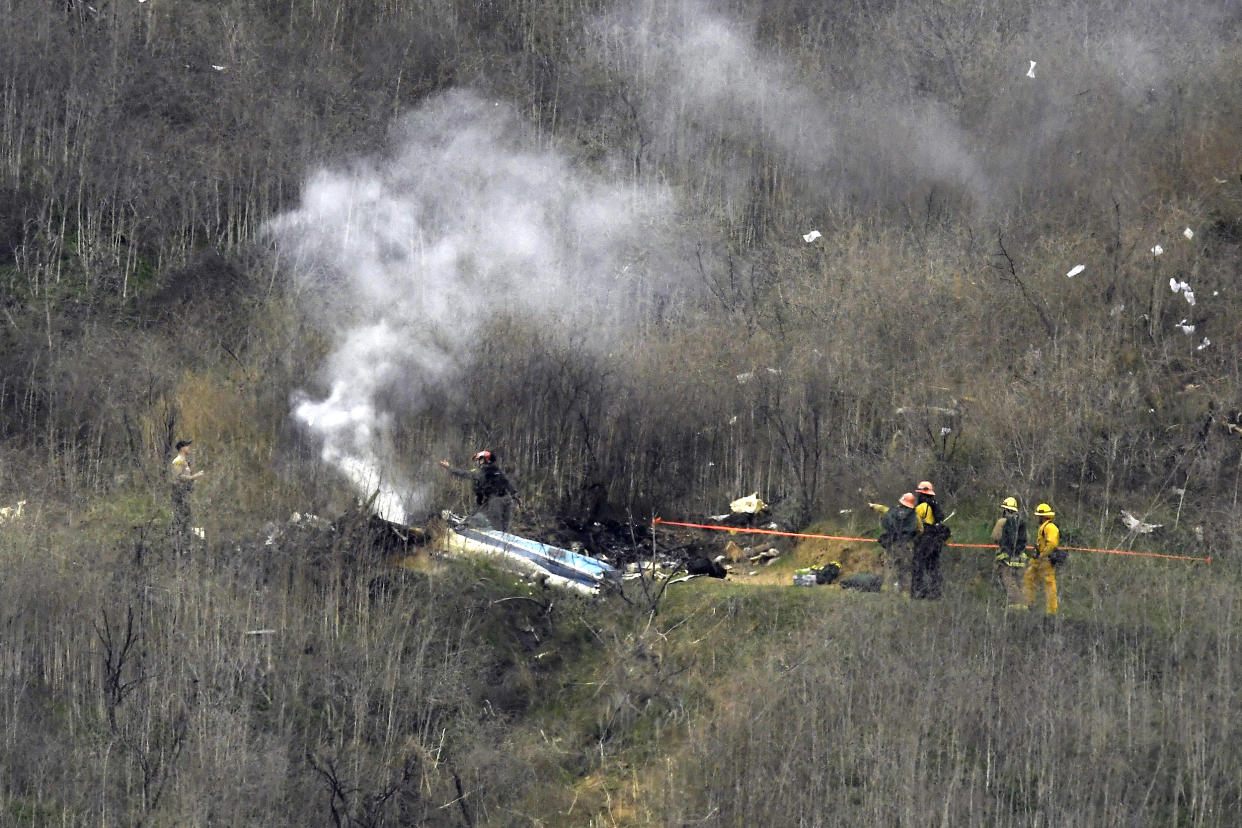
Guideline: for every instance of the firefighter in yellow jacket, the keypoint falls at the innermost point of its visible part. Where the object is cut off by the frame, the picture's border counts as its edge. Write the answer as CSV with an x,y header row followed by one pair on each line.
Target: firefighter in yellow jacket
x,y
1048,556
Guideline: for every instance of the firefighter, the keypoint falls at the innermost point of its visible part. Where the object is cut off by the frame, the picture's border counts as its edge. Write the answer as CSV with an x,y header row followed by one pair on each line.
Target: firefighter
x,y
1048,556
1009,534
926,580
494,495
901,526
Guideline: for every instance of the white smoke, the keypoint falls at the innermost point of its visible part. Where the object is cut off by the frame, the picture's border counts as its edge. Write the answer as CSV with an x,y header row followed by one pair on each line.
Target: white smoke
x,y
708,87
407,256
704,80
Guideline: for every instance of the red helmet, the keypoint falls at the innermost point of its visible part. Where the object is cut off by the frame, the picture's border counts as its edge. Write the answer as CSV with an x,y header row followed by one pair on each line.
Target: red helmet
x,y
483,456
907,499
925,487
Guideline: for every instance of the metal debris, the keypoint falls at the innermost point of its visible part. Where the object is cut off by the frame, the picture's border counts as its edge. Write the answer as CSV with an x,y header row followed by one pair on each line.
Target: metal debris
x,y
1137,526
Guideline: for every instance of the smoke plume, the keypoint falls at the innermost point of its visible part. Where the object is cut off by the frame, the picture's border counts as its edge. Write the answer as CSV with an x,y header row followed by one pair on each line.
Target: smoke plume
x,y
406,257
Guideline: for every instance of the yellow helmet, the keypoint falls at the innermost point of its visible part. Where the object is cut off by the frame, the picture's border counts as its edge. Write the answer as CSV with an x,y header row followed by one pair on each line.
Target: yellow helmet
x,y
1010,504
1044,510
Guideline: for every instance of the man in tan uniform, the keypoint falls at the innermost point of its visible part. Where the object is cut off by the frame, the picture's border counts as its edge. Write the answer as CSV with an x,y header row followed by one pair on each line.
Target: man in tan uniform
x,y
182,476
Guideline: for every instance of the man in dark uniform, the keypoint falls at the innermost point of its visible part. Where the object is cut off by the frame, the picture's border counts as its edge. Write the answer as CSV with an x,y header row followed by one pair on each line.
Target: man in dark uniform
x,y
494,495
925,578
901,527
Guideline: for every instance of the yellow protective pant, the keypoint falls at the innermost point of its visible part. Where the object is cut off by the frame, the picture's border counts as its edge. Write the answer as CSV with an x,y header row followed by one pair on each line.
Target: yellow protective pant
x,y
1037,569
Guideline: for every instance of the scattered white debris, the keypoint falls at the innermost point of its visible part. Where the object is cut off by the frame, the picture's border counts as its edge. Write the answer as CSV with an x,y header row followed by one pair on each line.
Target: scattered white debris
x,y
1075,270
1135,525
1157,250
733,420
1206,342
1188,233
811,236
753,572
1186,329
845,511
199,532
218,67
1179,492
1030,73
11,513
742,379
1183,288
775,371
1117,309
945,431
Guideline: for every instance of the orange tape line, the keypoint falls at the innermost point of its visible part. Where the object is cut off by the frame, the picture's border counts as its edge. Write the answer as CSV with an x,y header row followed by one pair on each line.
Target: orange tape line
x,y
716,528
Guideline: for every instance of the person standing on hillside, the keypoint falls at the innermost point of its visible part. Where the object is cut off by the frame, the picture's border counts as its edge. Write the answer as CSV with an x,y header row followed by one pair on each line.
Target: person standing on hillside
x,y
182,476
900,526
1009,534
1048,556
926,580
494,495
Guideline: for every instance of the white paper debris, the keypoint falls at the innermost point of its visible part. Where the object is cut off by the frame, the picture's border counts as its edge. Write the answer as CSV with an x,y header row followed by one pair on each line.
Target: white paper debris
x,y
1183,288
811,236
1157,250
1116,310
1188,233
945,431
218,67
742,379
1186,329
1206,342
1030,73
1135,525
1075,270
